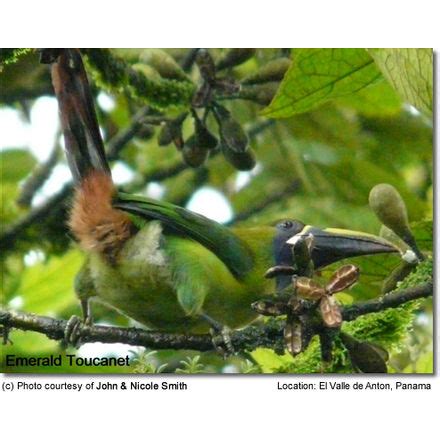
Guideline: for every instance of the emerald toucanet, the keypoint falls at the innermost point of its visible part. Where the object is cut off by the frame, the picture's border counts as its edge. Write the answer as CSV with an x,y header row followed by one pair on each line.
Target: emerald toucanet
x,y
164,266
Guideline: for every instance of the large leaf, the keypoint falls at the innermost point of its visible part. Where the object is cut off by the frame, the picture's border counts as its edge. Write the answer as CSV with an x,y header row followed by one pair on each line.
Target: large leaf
x,y
410,72
377,100
319,75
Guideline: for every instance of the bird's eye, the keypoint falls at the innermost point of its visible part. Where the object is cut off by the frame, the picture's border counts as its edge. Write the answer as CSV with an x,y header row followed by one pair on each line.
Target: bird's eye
x,y
292,226
285,224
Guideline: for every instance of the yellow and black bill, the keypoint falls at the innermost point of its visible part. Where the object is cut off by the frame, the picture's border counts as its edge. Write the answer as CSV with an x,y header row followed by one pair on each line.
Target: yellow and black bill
x,y
331,245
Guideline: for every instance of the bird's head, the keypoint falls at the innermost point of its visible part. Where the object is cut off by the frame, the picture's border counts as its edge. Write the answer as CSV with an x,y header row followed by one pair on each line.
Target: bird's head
x,y
329,245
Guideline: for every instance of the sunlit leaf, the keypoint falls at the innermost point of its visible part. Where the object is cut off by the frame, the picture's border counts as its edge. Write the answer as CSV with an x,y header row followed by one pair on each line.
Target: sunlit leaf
x,y
410,72
319,75
379,99
270,362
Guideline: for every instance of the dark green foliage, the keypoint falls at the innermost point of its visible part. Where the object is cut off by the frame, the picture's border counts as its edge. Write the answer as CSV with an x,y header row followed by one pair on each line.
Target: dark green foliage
x,y
10,56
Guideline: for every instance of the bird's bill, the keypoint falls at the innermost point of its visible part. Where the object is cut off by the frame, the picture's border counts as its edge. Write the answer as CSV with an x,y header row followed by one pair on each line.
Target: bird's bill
x,y
331,245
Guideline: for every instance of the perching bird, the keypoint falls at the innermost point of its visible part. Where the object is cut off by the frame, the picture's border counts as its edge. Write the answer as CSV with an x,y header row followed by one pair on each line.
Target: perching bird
x,y
164,266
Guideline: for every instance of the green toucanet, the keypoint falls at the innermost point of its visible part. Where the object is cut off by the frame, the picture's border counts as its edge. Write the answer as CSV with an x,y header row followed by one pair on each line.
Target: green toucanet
x,y
164,266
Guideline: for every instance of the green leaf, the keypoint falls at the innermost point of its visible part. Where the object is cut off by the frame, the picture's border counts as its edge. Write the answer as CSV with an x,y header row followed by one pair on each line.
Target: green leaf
x,y
270,362
319,75
424,365
410,72
377,100
10,56
15,164
47,288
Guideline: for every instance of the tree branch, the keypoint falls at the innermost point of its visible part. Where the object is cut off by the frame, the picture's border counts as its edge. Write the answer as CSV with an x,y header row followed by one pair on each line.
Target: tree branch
x,y
38,177
269,335
272,198
390,300
13,232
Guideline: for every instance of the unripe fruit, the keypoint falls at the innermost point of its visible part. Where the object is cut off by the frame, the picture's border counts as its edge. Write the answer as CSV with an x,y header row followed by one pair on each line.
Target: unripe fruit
x,y
163,63
171,131
389,207
272,71
193,154
231,132
260,93
234,57
204,137
243,161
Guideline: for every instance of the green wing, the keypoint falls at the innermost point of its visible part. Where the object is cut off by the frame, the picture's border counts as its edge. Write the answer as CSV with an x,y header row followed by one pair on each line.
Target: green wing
x,y
214,236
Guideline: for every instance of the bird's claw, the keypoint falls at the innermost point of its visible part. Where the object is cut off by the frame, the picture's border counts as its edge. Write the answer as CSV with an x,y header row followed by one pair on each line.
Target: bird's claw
x,y
72,331
222,342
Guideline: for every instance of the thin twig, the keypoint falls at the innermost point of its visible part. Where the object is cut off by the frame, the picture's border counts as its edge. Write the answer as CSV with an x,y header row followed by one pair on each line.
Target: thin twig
x,y
274,197
38,177
390,300
10,234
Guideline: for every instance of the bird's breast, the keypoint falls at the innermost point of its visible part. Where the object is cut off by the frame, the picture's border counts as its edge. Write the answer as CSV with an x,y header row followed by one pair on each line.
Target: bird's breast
x,y
140,284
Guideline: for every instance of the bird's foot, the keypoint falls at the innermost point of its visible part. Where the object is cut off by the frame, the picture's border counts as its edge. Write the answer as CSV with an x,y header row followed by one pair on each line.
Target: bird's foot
x,y
72,331
222,342
220,336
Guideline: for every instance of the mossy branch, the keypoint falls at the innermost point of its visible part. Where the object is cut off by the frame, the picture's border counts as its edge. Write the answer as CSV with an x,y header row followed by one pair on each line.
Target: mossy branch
x,y
113,73
269,335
